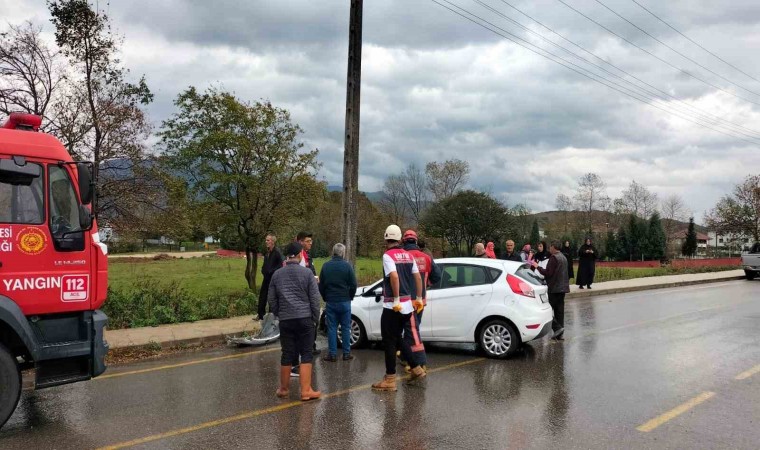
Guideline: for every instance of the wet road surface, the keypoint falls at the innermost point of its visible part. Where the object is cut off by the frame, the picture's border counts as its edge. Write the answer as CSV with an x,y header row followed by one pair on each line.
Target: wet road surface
x,y
675,368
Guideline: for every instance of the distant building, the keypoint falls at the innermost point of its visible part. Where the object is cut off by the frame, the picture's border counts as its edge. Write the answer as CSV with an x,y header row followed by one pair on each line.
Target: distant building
x,y
735,242
678,238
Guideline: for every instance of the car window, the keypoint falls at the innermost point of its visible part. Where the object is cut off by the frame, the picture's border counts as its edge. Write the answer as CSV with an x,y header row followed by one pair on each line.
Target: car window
x,y
528,275
21,203
495,274
460,275
370,292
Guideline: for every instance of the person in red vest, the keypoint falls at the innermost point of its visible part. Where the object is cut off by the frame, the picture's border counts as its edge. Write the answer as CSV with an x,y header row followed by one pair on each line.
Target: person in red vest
x,y
402,287
430,274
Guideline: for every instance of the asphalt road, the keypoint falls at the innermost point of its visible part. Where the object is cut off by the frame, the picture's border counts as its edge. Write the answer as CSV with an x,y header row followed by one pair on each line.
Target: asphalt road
x,y
676,368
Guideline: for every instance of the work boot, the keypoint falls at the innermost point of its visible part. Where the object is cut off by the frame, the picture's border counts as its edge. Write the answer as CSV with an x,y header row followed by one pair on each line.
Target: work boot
x,y
417,374
284,389
307,393
387,384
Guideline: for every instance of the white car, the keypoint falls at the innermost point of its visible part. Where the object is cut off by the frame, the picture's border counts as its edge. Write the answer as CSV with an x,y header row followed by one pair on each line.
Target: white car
x,y
496,304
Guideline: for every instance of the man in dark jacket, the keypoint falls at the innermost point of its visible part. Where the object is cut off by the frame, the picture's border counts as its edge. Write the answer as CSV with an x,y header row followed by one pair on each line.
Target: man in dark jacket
x,y
512,254
558,284
272,262
337,284
294,299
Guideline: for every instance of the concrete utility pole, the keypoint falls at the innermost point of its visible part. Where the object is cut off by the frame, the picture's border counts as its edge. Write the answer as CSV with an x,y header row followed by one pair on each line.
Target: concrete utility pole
x,y
350,211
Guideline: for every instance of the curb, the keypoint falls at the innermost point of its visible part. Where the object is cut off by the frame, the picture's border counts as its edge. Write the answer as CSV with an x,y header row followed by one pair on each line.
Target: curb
x,y
592,293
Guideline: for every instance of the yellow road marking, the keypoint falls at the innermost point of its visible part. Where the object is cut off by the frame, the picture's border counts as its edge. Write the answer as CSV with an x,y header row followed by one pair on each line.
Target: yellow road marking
x,y
675,412
264,411
748,373
185,364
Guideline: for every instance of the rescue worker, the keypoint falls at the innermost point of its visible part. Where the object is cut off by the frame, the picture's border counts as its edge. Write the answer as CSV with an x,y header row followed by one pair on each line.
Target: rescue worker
x,y
402,285
430,274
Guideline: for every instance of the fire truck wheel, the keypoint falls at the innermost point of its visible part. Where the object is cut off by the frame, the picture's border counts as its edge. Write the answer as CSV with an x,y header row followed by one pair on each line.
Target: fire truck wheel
x,y
10,380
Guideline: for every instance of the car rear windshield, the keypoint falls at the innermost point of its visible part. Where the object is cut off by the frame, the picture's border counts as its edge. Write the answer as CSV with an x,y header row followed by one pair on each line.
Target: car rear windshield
x,y
528,275
20,203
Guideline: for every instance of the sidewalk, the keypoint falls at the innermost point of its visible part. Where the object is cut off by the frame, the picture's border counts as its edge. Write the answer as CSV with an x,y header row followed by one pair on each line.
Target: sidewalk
x,y
215,331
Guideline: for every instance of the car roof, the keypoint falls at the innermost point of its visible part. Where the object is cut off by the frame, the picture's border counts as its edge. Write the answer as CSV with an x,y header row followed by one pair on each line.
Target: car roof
x,y
488,262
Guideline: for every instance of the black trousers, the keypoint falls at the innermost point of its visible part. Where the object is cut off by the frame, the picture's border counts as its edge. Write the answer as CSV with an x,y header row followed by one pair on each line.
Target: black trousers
x,y
392,325
263,294
557,301
296,339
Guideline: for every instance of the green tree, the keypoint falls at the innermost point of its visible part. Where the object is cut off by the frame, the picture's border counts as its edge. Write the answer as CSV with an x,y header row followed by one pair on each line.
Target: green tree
x,y
623,245
689,247
535,236
464,219
739,213
244,161
611,247
655,238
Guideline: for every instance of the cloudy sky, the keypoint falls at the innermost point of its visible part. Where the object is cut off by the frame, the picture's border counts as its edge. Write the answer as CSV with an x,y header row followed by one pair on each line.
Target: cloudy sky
x,y
436,86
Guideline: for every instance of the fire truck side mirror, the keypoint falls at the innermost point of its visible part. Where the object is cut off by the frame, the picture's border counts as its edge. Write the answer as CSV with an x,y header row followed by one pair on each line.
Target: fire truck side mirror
x,y
84,174
85,218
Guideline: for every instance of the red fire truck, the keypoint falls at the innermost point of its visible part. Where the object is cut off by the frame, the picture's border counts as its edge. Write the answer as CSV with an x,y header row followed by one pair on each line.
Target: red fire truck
x,y
53,267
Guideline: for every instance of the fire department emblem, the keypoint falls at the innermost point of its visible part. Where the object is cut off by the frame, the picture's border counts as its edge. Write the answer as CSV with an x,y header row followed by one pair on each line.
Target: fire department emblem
x,y
31,241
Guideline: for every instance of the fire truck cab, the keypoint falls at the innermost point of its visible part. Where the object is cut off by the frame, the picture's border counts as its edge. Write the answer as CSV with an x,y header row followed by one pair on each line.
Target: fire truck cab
x,y
53,267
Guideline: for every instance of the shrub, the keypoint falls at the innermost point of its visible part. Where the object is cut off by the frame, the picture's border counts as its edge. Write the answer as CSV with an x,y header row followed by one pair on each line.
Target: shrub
x,y
151,303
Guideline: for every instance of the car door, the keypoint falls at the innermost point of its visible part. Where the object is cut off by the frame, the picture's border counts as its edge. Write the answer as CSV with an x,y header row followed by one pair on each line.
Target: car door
x,y
456,303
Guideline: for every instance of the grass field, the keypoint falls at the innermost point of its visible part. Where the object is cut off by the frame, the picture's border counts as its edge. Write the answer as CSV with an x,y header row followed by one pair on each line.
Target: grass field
x,y
144,292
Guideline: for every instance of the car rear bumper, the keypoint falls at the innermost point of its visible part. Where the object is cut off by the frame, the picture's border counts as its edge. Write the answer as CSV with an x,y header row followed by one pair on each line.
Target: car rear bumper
x,y
545,331
543,317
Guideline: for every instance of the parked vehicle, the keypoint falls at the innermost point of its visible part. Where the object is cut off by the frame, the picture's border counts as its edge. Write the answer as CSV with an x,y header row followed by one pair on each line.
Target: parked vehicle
x,y
751,262
496,304
53,267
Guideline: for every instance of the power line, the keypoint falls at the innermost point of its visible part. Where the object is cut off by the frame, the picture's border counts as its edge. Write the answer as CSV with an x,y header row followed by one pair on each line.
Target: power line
x,y
658,58
714,120
693,41
515,39
676,51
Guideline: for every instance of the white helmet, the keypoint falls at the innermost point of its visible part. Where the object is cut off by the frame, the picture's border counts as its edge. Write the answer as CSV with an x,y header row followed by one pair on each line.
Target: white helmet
x,y
393,233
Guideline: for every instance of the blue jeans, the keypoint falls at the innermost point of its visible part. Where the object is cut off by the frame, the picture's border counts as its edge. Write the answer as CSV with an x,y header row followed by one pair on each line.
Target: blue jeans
x,y
338,313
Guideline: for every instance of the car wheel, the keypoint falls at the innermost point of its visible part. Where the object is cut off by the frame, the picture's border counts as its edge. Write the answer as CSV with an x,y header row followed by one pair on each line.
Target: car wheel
x,y
498,339
10,381
358,335
750,275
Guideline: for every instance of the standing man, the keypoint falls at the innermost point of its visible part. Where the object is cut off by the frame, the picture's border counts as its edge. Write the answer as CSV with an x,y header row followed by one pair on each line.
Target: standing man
x,y
272,262
305,239
337,284
294,299
558,284
511,254
401,285
480,250
429,273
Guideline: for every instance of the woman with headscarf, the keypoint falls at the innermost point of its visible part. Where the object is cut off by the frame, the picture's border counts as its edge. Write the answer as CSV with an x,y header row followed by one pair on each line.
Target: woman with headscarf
x,y
568,252
542,253
490,253
526,255
586,264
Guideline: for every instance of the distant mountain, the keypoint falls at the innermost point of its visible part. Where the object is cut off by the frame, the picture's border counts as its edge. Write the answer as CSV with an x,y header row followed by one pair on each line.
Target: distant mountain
x,y
374,197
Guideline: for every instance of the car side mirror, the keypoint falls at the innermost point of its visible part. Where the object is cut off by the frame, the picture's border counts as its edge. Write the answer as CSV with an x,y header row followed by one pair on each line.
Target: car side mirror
x,y
85,218
378,294
84,175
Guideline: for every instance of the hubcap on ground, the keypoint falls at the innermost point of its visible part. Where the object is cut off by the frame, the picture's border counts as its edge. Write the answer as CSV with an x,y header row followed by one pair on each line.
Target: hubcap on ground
x,y
497,339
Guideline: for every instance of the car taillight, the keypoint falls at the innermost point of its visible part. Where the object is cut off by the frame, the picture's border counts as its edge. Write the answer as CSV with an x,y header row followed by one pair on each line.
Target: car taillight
x,y
520,287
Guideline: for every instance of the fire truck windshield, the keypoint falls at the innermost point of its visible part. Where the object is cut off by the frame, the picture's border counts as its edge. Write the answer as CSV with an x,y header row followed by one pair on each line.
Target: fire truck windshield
x,y
22,203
